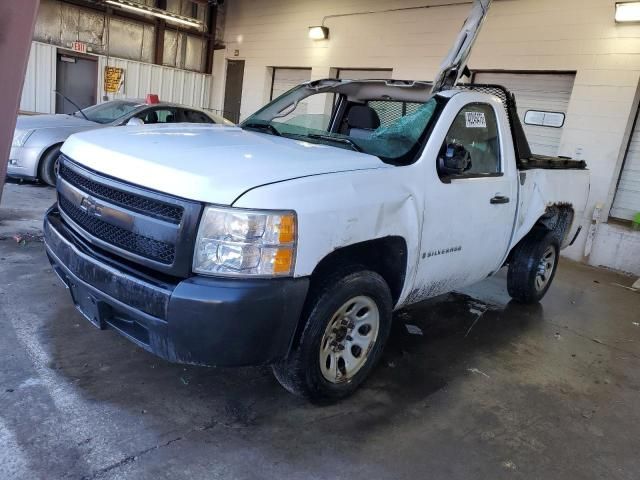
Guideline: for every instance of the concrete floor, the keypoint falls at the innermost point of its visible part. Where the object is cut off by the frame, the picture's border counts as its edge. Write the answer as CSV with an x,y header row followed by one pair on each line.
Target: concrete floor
x,y
488,390
22,208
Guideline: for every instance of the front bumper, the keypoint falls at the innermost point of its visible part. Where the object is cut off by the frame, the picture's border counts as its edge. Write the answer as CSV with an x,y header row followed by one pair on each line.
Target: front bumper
x,y
199,320
23,162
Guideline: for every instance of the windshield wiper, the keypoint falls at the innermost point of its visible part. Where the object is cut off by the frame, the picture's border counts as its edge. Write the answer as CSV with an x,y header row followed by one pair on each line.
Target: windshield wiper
x,y
72,103
345,141
264,127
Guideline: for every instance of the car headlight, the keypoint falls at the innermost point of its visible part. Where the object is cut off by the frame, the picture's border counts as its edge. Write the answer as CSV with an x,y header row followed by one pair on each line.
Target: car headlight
x,y
20,137
237,242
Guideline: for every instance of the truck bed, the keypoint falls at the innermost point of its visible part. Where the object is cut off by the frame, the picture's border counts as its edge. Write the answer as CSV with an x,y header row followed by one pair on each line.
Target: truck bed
x,y
548,183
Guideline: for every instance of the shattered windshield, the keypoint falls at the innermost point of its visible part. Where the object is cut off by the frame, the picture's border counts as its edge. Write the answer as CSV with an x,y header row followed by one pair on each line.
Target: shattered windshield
x,y
385,127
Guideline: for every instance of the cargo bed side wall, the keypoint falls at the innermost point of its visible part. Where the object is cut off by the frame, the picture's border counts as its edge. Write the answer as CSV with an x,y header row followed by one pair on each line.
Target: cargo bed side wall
x,y
546,188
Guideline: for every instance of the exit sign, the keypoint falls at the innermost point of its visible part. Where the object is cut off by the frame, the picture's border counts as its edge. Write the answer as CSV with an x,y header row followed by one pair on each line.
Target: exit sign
x,y
79,47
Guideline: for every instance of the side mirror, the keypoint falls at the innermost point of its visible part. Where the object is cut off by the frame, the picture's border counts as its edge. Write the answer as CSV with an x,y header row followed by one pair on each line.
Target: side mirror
x,y
135,121
455,160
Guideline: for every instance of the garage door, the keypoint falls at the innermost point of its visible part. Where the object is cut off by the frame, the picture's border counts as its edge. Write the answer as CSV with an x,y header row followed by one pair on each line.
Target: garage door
x,y
284,79
543,101
357,74
627,202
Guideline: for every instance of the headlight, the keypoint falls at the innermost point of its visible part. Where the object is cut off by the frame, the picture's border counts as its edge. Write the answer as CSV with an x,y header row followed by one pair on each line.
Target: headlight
x,y
237,242
20,137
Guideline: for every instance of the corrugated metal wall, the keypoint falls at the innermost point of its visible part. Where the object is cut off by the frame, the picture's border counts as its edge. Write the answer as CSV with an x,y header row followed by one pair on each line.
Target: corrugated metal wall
x,y
39,82
172,85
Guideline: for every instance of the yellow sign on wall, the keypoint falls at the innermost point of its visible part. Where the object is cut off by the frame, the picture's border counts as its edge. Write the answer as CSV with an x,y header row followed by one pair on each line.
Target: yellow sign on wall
x,y
113,79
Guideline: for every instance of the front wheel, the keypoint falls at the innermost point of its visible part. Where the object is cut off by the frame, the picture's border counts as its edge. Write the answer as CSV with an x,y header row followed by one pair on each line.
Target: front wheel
x,y
343,337
48,166
533,266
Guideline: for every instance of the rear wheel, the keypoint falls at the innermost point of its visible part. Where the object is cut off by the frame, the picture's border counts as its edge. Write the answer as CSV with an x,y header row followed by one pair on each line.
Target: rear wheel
x,y
48,166
343,337
533,267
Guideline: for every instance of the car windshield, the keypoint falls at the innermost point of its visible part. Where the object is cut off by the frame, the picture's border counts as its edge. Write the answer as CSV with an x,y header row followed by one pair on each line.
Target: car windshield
x,y
371,117
109,111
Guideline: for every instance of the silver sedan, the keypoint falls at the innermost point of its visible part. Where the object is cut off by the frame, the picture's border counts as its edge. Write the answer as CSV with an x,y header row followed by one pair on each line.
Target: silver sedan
x,y
37,138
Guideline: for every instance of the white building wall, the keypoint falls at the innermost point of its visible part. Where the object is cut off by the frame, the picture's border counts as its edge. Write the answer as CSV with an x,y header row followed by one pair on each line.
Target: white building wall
x,y
171,84
40,80
541,35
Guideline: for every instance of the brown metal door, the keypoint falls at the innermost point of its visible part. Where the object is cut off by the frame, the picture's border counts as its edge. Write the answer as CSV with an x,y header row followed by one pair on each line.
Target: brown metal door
x,y
77,78
233,90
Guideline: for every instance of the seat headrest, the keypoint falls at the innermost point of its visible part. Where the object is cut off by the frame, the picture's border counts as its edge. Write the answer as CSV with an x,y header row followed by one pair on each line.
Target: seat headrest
x,y
364,117
152,117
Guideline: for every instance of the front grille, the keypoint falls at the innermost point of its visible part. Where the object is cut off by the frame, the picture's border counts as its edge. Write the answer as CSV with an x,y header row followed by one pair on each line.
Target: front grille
x,y
138,244
147,206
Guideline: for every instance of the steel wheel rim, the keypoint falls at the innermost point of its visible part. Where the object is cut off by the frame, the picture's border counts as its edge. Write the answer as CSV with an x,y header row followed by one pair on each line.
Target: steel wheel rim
x,y
348,339
545,268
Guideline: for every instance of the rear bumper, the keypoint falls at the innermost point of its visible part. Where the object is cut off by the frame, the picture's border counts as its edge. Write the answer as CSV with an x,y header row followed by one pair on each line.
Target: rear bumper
x,y
200,320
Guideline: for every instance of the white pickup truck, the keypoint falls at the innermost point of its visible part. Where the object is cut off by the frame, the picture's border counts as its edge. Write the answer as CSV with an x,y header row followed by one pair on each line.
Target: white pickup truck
x,y
291,239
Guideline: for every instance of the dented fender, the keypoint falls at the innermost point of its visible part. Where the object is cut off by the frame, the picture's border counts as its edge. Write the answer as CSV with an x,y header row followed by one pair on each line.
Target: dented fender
x,y
337,210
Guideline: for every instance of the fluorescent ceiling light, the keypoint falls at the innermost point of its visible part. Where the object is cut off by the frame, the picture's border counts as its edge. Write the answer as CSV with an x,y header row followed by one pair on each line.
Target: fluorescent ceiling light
x,y
628,12
318,33
155,12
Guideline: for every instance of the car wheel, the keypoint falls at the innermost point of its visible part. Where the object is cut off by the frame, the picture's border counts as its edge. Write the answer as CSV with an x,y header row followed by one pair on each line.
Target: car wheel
x,y
48,166
345,330
533,266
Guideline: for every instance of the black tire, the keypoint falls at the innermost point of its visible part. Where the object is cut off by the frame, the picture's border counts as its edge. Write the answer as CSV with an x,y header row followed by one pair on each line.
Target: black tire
x,y
47,167
300,373
525,267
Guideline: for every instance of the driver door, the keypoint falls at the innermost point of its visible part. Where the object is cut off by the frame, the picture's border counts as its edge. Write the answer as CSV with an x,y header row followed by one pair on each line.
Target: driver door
x,y
469,213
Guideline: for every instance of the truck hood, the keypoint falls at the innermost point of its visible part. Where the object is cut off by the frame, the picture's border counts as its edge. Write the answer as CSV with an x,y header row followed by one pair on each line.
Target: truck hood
x,y
207,163
35,122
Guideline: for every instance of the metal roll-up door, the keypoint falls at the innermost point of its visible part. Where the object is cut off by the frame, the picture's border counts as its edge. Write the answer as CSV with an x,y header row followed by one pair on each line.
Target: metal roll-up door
x,y
284,79
358,74
627,201
545,96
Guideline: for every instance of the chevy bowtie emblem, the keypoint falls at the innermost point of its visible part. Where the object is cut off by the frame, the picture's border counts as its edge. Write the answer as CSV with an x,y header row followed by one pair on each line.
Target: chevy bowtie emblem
x,y
89,205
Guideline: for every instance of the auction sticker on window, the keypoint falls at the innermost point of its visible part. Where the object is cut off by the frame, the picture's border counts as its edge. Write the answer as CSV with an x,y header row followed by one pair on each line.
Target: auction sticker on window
x,y
476,120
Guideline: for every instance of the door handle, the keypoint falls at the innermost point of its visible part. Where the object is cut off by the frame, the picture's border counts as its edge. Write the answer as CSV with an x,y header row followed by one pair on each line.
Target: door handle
x,y
499,199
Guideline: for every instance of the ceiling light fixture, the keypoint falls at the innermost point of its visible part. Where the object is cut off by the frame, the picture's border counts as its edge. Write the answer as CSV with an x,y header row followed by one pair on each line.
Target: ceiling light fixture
x,y
155,12
627,12
318,33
